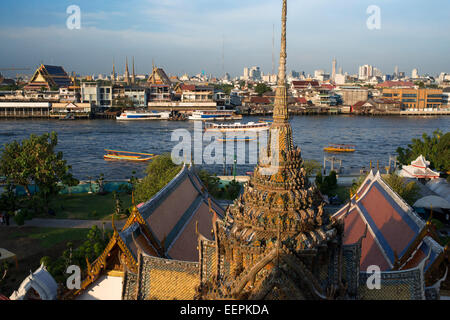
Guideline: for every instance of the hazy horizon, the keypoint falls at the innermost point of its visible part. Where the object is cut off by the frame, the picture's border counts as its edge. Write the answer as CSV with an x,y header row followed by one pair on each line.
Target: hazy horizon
x,y
187,36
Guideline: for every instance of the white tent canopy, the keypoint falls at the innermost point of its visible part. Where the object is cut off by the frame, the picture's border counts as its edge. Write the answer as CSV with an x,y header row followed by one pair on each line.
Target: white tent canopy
x,y
432,202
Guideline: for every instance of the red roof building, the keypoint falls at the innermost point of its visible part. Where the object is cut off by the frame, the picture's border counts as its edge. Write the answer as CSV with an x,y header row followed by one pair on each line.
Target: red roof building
x,y
305,84
396,84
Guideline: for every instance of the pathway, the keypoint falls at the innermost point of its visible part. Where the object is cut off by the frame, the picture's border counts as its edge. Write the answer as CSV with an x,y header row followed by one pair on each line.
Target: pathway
x,y
69,223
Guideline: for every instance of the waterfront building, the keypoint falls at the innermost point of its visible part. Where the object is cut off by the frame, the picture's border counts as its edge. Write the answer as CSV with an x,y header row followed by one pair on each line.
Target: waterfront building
x,y
376,105
25,109
415,98
159,92
70,94
48,77
155,255
352,95
446,97
138,95
98,94
78,110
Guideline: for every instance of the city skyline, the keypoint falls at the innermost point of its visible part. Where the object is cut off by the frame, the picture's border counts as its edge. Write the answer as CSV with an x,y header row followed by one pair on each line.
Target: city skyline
x,y
188,37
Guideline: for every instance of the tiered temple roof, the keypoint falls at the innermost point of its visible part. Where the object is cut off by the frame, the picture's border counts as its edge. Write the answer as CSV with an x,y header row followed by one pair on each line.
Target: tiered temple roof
x,y
48,77
397,238
166,227
158,76
419,169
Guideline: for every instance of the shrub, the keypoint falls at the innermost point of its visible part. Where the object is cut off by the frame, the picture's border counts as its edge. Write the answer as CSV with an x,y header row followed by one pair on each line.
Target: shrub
x,y
19,218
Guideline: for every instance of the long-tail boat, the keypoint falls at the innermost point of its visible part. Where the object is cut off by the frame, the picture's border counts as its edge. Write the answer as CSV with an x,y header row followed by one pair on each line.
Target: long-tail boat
x,y
340,148
128,156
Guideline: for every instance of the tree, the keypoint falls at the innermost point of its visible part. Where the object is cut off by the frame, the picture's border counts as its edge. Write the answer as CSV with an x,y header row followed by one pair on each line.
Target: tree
x,y
435,148
327,184
122,103
118,204
312,167
35,160
262,88
357,183
211,182
409,191
226,88
159,173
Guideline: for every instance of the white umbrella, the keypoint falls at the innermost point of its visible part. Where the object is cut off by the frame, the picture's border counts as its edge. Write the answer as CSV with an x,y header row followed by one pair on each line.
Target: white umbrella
x,y
432,202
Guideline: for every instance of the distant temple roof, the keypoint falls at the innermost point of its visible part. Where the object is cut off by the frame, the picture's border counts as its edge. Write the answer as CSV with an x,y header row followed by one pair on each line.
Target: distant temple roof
x,y
398,239
158,76
49,76
419,169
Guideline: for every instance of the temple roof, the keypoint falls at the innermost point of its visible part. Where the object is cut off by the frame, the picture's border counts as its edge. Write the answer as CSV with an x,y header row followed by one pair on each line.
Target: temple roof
x,y
166,226
49,76
172,215
151,281
41,282
419,169
397,236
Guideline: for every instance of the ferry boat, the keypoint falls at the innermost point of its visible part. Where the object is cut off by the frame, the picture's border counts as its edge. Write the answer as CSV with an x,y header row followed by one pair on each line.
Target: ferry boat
x,y
144,115
127,156
214,115
340,148
238,127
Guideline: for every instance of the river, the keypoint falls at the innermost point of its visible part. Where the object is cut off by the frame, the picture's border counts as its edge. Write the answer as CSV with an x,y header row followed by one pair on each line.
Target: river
x,y
83,141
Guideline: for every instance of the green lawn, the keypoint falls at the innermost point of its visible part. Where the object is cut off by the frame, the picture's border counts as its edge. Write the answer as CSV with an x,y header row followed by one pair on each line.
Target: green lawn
x,y
342,192
87,206
50,237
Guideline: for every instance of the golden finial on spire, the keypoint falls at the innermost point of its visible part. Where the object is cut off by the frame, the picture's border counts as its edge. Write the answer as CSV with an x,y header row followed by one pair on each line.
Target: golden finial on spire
x,y
280,112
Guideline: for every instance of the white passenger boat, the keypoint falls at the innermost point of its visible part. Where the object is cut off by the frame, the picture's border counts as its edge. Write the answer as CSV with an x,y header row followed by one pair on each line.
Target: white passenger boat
x,y
144,115
238,127
214,115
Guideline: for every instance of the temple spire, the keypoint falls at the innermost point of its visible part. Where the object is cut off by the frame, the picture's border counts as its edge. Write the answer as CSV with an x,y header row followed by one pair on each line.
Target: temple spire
x,y
133,77
127,72
113,78
280,112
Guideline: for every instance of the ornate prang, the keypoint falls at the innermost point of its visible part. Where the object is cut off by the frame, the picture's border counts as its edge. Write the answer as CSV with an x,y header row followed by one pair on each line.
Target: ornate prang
x,y
276,234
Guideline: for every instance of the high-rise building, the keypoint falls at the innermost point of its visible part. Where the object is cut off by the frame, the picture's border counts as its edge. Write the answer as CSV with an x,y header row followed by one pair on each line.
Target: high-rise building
x,y
396,72
333,73
365,72
255,73
246,73
415,74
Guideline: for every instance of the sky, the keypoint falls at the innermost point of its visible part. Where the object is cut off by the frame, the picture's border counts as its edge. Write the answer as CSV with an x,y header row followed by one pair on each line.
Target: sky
x,y
191,36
